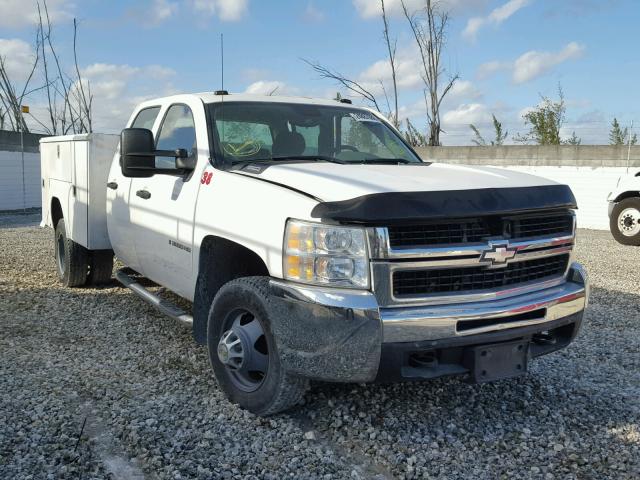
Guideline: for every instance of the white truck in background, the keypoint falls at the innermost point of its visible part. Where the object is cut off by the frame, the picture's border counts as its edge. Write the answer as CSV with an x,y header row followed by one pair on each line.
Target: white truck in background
x,y
315,244
624,210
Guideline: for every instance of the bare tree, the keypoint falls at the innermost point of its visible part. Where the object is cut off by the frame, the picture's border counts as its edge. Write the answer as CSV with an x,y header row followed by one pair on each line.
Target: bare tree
x,y
85,99
349,84
67,98
429,27
393,115
12,98
361,90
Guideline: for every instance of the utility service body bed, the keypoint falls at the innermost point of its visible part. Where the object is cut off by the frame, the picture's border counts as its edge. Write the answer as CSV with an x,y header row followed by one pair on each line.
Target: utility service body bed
x,y
74,171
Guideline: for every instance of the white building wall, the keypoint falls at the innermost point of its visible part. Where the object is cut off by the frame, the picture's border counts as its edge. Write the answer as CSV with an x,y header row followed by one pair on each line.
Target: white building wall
x,y
591,186
11,196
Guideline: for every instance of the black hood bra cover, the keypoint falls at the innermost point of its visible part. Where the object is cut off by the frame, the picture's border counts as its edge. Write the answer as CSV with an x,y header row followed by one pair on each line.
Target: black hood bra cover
x,y
403,207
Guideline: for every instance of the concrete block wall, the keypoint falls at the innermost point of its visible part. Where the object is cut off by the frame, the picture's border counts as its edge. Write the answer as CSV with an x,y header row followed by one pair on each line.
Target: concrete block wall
x,y
591,171
537,155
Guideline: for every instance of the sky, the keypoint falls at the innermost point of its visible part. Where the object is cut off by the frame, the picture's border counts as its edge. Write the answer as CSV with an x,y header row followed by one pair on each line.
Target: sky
x,y
507,54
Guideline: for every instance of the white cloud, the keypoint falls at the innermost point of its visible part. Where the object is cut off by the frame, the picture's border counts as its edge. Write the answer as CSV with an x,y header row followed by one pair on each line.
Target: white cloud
x,y
463,90
226,10
117,89
496,17
18,57
313,14
466,113
534,64
162,10
372,8
267,87
23,13
408,70
488,69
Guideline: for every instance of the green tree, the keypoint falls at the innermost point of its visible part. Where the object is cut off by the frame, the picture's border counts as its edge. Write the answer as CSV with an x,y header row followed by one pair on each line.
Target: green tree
x,y
573,140
545,121
500,134
413,136
619,135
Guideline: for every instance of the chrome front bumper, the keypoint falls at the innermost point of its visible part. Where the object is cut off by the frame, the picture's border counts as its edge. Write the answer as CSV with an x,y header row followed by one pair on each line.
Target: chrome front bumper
x,y
338,334
414,324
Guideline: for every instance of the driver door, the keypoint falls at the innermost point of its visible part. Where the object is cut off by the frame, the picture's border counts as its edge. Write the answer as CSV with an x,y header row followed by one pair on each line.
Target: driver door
x,y
162,206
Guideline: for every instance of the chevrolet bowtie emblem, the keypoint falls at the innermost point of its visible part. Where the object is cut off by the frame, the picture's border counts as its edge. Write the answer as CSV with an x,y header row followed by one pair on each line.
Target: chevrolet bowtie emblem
x,y
498,254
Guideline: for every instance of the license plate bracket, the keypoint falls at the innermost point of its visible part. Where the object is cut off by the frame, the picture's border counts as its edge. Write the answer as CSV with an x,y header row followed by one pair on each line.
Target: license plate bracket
x,y
488,363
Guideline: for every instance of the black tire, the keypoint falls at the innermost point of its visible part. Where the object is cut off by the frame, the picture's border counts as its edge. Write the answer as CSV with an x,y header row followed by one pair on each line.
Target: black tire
x,y
72,259
100,267
625,221
277,390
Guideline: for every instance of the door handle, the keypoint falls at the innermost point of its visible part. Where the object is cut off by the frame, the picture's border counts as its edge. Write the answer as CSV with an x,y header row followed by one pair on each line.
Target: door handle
x,y
112,185
143,194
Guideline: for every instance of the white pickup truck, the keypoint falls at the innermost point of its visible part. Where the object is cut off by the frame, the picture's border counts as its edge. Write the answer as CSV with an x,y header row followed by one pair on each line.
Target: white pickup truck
x,y
314,244
624,209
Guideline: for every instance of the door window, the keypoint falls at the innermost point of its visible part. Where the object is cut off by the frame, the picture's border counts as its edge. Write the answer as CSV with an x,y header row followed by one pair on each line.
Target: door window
x,y
146,118
178,130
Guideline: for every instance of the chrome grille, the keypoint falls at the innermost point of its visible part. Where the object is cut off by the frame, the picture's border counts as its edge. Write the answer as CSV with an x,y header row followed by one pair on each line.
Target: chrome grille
x,y
469,260
472,279
543,226
475,230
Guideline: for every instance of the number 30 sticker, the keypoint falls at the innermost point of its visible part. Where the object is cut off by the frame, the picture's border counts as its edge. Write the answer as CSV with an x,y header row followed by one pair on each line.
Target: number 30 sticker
x,y
206,178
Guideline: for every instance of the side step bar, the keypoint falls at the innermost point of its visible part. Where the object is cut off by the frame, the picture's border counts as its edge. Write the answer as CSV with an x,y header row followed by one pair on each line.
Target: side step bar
x,y
161,304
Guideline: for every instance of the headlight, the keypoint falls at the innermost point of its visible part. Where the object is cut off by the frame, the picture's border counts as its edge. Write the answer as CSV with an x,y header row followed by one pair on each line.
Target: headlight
x,y
324,254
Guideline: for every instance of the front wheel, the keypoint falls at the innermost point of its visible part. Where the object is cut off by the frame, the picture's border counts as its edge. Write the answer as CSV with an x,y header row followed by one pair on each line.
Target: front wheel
x,y
243,351
625,221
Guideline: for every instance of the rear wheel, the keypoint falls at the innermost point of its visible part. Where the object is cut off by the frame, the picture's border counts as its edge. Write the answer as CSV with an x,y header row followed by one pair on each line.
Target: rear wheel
x,y
100,267
625,221
243,351
72,259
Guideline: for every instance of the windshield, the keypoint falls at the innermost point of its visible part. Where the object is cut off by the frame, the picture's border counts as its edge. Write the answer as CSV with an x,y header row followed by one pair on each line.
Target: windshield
x,y
264,131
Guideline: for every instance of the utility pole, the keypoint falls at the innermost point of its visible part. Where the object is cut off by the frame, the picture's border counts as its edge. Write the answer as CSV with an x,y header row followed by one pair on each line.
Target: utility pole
x,y
23,109
629,145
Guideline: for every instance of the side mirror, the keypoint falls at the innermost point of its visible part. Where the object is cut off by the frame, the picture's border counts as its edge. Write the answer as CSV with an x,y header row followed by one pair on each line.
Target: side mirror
x,y
137,156
184,161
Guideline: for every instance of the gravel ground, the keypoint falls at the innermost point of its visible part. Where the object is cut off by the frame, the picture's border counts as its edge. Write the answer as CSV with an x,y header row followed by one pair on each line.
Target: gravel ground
x,y
95,384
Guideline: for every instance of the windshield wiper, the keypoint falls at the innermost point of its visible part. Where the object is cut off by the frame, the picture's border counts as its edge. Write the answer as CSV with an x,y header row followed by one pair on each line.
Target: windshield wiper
x,y
312,158
386,160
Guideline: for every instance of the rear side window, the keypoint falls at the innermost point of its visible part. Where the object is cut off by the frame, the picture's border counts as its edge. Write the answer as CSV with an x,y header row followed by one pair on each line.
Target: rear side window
x,y
178,130
146,118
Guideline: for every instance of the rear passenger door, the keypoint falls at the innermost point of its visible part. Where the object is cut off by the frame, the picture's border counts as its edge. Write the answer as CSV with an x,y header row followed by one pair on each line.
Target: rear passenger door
x,y
162,207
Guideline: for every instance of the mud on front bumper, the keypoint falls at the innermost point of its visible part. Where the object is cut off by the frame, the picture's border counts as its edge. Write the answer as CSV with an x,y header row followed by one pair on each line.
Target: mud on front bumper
x,y
343,336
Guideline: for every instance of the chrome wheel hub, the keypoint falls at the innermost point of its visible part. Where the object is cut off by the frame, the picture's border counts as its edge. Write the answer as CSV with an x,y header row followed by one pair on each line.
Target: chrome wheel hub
x,y
629,222
243,351
230,350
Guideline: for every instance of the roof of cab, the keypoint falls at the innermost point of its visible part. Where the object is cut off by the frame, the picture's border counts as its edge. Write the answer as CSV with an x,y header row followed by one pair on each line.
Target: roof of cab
x,y
210,97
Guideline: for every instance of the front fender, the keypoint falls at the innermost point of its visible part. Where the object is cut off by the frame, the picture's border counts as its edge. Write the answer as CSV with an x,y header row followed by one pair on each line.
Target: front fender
x,y
326,334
